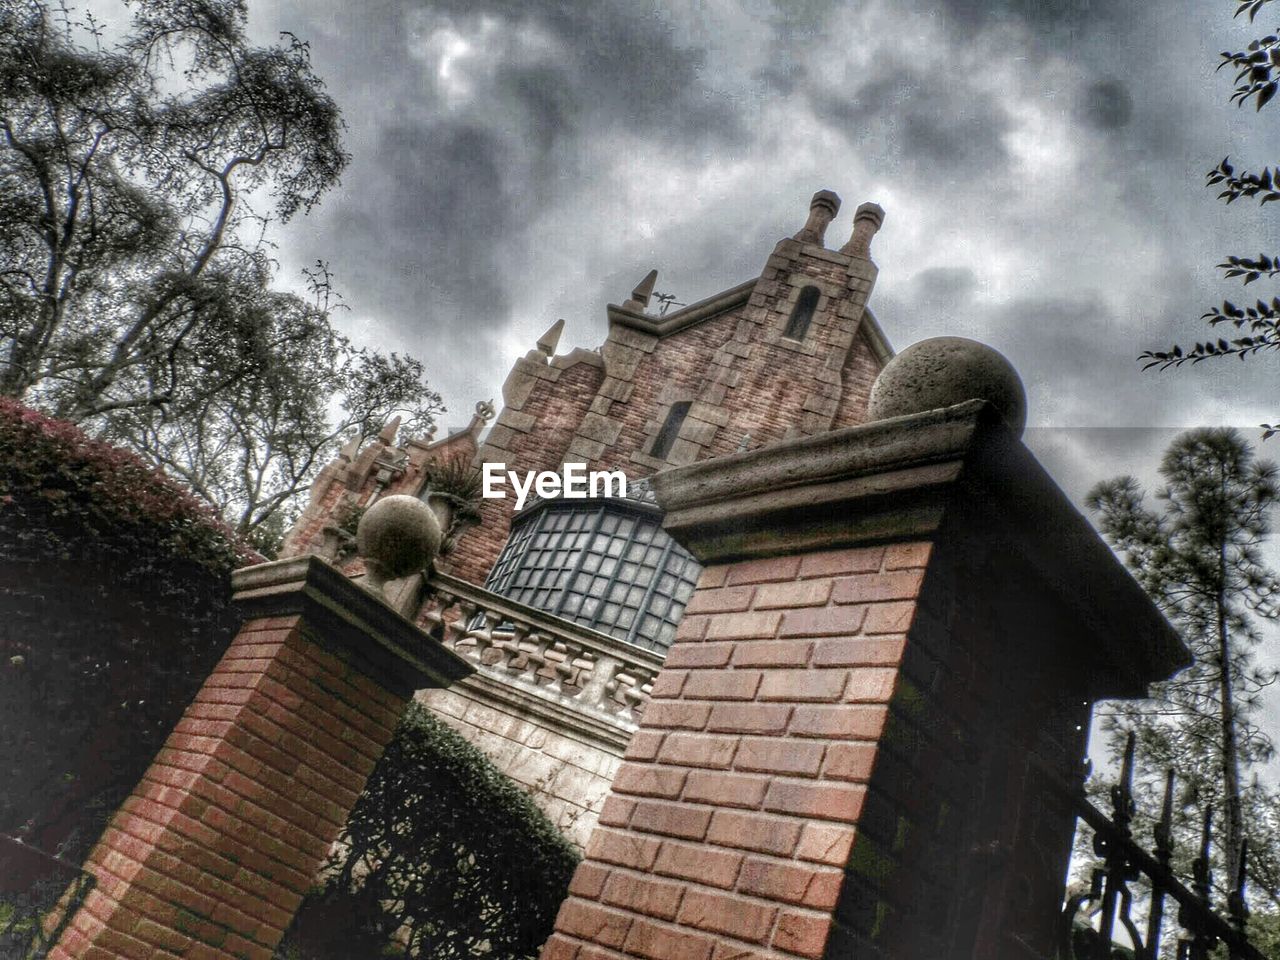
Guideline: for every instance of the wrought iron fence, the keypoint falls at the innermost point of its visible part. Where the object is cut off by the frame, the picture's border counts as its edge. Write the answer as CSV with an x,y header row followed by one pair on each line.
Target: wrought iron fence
x,y
1092,919
39,894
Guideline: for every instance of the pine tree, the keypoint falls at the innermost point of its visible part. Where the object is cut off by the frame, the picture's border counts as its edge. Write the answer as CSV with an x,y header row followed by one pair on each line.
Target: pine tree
x,y
1199,555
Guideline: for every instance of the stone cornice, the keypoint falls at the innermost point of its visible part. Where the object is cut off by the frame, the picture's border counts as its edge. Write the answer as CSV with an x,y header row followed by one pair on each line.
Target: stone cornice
x,y
685,316
594,726
349,621
876,340
902,479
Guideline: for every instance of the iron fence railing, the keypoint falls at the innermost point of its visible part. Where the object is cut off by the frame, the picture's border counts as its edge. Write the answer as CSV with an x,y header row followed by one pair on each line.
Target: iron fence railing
x,y
39,895
1091,920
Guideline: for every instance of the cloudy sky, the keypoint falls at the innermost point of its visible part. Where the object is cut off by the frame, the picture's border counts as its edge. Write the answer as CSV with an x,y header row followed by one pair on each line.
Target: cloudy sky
x,y
1040,162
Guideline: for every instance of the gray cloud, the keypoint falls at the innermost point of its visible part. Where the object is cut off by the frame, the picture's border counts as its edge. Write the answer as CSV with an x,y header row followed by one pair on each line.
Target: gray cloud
x,y
1040,162
1106,104
944,287
1047,18
1009,139
927,124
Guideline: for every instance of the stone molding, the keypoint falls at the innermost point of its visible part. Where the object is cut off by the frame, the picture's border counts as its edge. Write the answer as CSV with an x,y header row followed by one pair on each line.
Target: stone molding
x,y
904,478
685,316
349,621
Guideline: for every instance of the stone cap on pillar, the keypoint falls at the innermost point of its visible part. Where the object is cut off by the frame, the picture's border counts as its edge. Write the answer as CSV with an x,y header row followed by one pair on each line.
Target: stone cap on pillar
x,y
903,478
348,621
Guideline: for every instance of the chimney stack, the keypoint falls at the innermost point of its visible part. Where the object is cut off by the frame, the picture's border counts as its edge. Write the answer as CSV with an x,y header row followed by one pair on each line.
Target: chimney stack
x,y
822,210
866,222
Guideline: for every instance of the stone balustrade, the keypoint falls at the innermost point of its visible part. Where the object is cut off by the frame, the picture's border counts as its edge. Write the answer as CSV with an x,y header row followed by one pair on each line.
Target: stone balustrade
x,y
535,651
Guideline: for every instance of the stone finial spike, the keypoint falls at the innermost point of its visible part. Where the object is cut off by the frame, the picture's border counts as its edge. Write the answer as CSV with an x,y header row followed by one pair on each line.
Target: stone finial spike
x,y
822,210
351,447
641,295
388,433
866,223
548,341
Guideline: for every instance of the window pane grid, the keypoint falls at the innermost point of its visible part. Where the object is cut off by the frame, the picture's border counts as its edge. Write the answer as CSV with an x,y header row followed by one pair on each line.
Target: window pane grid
x,y
601,565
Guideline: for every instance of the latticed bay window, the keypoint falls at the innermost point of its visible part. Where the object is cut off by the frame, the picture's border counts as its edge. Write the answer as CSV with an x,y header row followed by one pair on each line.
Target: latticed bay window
x,y
604,563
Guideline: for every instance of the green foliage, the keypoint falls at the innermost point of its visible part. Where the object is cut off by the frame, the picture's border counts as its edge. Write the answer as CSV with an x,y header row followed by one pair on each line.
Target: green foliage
x,y
115,604
457,482
137,182
1256,79
1200,558
443,857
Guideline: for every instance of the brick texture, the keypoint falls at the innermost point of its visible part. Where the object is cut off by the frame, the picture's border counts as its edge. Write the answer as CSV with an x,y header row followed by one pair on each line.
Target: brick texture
x,y
214,850
738,817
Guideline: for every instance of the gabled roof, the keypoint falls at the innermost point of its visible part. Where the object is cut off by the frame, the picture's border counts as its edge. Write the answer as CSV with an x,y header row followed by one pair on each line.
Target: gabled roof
x,y
715,305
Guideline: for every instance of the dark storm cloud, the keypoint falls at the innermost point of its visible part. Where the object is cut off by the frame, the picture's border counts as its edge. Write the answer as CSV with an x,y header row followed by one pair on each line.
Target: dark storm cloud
x,y
930,124
1048,17
450,172
1106,104
468,184
944,286
428,233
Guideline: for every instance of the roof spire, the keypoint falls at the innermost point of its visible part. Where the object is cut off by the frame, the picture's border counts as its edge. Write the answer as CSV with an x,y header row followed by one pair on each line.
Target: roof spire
x,y
642,293
388,434
548,341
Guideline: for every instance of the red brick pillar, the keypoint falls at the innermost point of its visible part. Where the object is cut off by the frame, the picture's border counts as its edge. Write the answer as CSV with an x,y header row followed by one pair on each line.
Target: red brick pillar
x,y
212,853
849,752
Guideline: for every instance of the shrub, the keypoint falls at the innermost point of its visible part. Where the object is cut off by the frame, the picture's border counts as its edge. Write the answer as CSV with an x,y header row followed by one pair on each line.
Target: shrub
x,y
443,857
114,607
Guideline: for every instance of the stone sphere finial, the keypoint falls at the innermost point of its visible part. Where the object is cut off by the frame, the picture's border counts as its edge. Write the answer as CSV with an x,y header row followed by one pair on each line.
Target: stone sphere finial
x,y
943,371
397,536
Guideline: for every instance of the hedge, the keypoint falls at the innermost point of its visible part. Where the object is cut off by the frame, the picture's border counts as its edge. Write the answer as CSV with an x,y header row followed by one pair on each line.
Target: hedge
x,y
443,858
114,607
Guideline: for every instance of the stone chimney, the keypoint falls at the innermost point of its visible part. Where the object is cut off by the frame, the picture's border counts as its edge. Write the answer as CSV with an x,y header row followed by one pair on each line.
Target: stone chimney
x,y
822,210
866,223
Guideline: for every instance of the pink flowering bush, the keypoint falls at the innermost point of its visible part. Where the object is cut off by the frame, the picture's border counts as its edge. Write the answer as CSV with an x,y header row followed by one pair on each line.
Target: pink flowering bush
x,y
114,606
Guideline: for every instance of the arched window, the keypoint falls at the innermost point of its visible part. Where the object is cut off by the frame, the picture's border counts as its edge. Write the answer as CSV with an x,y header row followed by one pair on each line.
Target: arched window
x,y
670,429
806,303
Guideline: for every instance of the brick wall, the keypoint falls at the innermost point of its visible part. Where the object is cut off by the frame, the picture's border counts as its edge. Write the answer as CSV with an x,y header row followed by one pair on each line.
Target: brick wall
x,y
856,744
533,432
737,810
213,851
216,847
745,381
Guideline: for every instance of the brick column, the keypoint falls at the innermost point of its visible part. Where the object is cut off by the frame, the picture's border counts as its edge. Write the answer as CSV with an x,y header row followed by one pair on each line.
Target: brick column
x,y
850,750
212,853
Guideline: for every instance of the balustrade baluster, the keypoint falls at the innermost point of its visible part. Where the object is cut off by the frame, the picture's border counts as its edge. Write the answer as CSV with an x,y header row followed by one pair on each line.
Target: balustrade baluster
x,y
536,658
601,682
632,696
455,630
565,668
433,617
513,648
482,633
